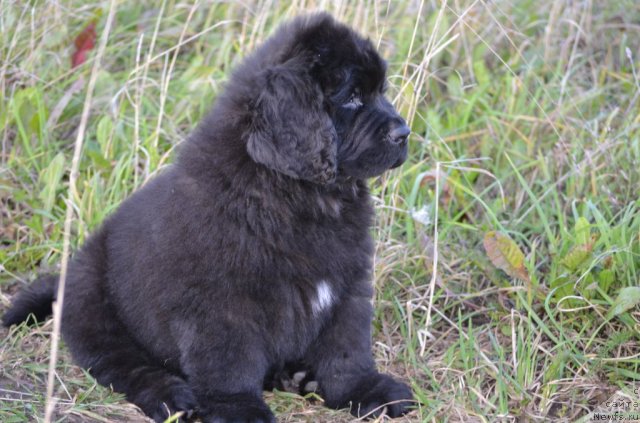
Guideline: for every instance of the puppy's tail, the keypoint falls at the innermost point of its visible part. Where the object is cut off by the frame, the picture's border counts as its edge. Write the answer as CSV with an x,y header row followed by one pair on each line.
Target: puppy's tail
x,y
33,299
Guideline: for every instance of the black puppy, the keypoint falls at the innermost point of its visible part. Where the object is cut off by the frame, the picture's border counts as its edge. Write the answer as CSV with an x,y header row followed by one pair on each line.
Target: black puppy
x,y
253,250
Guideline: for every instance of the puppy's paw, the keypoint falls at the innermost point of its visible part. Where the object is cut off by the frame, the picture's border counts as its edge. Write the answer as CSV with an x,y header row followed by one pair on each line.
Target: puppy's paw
x,y
167,397
294,378
236,408
379,393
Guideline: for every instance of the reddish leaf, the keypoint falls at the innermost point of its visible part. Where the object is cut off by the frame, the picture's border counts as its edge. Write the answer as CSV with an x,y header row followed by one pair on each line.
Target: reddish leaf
x,y
84,42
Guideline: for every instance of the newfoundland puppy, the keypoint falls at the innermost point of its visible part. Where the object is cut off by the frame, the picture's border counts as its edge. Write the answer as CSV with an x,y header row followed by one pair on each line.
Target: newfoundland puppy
x,y
250,258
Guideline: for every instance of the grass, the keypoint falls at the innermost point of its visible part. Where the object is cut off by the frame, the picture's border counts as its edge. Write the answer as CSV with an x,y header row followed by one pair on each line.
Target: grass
x,y
525,119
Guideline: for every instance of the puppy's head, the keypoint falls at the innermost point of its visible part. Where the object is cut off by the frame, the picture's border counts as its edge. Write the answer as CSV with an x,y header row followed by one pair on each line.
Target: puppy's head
x,y
317,105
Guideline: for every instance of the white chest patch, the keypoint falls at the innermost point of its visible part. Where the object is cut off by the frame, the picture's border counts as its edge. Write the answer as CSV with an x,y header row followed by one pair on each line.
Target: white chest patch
x,y
324,298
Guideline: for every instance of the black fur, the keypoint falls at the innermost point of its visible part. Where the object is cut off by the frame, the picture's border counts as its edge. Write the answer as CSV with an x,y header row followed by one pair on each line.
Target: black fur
x,y
207,283
34,299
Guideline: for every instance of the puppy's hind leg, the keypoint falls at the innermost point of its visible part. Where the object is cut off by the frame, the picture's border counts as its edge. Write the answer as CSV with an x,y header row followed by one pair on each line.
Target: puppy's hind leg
x,y
226,364
101,343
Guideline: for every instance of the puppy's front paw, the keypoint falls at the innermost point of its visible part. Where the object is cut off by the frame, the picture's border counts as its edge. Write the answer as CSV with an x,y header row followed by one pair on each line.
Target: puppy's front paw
x,y
378,393
169,395
236,408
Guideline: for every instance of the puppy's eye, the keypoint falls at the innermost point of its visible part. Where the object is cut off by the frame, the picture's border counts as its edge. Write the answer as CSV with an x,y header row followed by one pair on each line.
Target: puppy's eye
x,y
354,101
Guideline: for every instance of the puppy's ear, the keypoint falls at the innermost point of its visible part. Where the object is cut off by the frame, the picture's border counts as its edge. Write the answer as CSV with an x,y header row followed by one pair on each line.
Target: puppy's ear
x,y
290,131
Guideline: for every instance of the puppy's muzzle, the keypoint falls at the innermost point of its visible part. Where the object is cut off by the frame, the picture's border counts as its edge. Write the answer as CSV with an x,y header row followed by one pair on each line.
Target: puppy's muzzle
x,y
398,136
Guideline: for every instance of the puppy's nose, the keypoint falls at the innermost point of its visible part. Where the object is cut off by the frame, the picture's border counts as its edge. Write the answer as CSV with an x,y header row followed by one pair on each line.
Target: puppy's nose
x,y
399,134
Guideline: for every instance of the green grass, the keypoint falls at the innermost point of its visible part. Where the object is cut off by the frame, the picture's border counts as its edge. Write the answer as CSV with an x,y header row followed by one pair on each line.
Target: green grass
x,y
529,109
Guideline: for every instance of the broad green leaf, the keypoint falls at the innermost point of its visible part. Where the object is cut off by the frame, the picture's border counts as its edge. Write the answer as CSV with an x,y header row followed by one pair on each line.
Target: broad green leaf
x,y
454,85
628,298
505,254
50,179
103,134
98,159
481,73
582,231
605,279
562,286
578,255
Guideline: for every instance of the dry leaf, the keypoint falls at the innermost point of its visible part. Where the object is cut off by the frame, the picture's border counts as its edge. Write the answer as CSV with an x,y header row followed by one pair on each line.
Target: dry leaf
x,y
505,254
